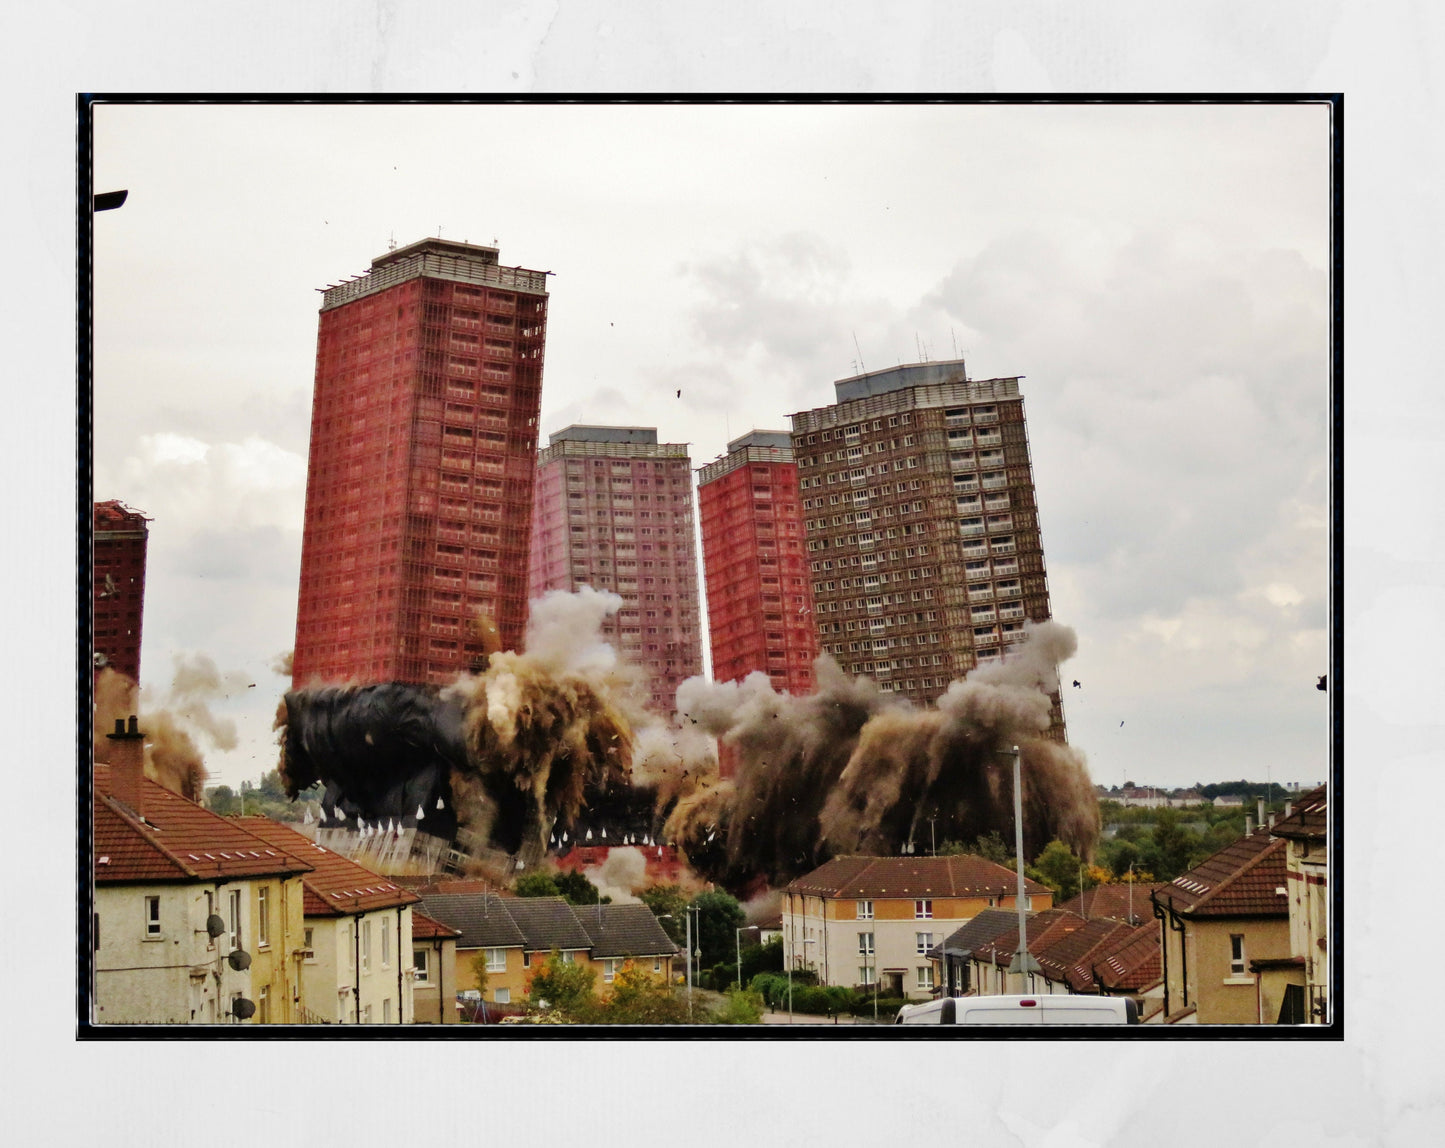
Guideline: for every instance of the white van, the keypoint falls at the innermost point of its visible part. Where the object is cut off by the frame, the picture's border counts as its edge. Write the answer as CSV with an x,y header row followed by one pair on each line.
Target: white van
x,y
1046,1009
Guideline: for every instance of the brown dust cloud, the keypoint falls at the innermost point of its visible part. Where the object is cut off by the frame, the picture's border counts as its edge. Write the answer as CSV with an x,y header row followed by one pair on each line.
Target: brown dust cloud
x,y
556,744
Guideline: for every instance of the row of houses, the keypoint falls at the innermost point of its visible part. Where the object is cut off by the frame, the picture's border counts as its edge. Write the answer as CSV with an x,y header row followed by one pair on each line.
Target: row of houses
x,y
1242,938
202,919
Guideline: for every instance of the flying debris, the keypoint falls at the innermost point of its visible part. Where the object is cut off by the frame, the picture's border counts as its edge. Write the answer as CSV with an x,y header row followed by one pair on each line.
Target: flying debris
x,y
518,756
1321,684
1076,683
420,813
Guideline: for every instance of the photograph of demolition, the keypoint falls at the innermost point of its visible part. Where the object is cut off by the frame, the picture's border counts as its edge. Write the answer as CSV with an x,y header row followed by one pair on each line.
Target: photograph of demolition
x,y
508,790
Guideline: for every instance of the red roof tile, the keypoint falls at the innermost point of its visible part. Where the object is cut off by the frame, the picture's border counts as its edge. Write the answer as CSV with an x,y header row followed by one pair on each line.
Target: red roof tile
x,y
1134,965
178,841
1244,879
960,875
1117,902
1067,958
1308,819
336,886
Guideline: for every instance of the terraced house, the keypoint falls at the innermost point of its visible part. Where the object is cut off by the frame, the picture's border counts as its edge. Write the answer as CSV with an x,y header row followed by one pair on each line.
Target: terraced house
x,y
197,920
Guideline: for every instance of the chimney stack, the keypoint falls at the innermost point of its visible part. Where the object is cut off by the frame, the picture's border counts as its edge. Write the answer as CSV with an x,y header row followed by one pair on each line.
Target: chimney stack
x,y
1259,804
1248,824
127,765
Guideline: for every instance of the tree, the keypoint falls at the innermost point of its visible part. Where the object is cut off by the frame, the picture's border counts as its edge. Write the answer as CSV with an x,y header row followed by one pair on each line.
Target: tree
x,y
668,903
1171,848
640,998
536,884
1058,868
991,847
577,889
718,917
223,800
564,986
766,958
479,967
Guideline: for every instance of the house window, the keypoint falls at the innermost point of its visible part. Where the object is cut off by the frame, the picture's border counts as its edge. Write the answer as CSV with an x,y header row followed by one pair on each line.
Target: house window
x,y
153,917
366,1015
263,1005
1236,954
263,916
865,974
309,944
609,970
366,946
923,910
235,937
386,1011
496,960
569,957
865,944
385,947
419,962
657,964
924,942
865,910
925,976
503,996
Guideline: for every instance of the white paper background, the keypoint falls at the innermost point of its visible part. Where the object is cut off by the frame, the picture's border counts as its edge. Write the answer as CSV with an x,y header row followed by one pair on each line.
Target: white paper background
x,y
1382,1085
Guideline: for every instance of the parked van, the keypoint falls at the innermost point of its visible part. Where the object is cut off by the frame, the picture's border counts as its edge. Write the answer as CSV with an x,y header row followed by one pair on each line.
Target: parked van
x,y
1056,1009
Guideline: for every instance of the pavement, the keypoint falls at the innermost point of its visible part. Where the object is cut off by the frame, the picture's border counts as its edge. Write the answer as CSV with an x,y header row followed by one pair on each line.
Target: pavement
x,y
807,1018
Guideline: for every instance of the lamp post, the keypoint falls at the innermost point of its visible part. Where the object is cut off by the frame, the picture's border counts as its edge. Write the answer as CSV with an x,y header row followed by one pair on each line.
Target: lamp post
x,y
1022,962
806,942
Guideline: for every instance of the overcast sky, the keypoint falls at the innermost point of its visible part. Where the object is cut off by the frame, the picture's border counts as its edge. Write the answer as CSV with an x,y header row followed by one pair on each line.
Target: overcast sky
x,y
1158,275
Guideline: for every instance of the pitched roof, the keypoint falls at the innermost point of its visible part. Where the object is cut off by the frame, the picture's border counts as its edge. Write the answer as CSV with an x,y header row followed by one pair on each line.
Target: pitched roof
x,y
481,919
1067,959
1040,931
424,928
624,931
336,885
985,927
548,923
178,841
1244,879
1116,902
960,875
1134,964
1309,818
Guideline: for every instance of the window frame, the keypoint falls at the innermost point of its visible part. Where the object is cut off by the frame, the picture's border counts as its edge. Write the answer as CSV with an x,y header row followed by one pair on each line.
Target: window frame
x,y
864,910
496,959
420,958
263,917
153,918
923,910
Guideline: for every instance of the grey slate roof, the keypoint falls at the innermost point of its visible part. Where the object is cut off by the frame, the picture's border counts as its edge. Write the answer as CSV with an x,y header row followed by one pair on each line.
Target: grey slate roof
x,y
624,931
482,918
983,928
548,923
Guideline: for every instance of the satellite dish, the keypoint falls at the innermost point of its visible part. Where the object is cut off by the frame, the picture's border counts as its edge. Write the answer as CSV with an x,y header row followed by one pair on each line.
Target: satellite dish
x,y
242,1009
240,960
215,925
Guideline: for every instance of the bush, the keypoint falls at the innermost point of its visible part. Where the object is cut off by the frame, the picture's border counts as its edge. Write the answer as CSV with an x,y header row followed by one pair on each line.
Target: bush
x,y
771,986
740,1008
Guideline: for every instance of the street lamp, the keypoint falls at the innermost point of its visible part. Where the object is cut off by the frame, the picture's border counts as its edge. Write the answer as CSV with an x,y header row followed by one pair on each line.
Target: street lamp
x,y
1022,963
806,942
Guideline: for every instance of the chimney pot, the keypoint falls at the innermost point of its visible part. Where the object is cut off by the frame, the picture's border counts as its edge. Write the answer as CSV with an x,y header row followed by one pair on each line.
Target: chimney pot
x,y
132,728
119,726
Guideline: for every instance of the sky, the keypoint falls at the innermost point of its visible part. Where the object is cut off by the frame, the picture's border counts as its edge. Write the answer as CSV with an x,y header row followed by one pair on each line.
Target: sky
x,y
1157,274
1373,1085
